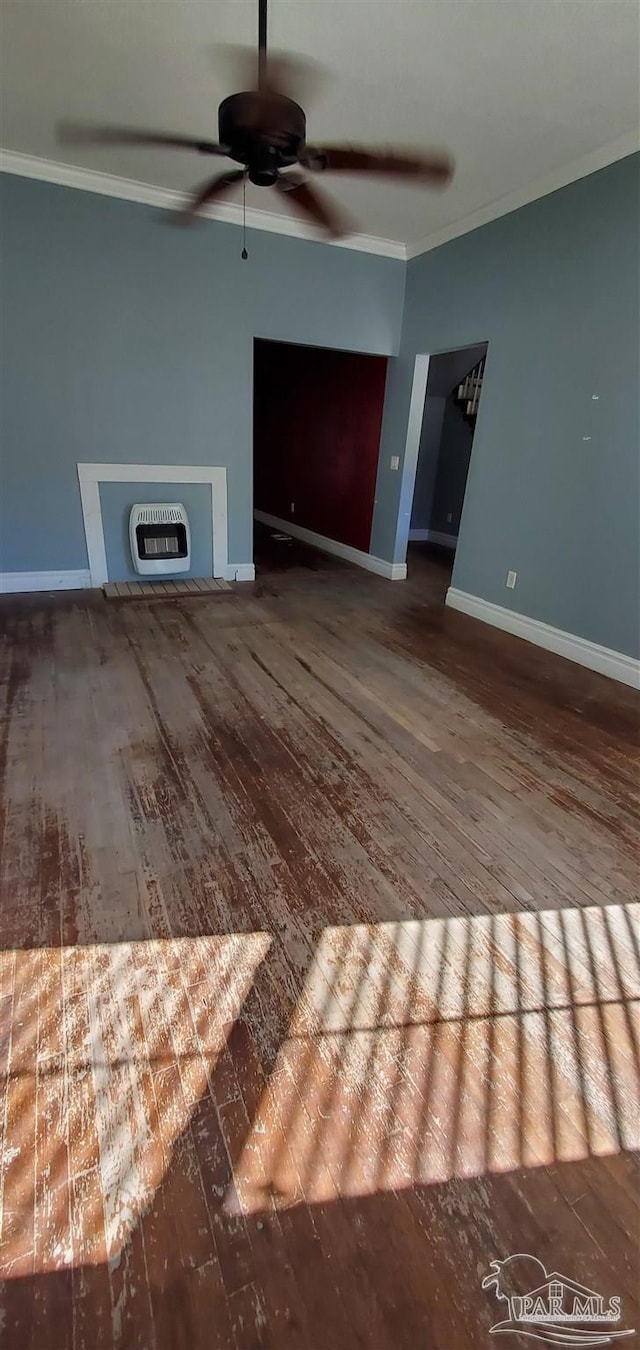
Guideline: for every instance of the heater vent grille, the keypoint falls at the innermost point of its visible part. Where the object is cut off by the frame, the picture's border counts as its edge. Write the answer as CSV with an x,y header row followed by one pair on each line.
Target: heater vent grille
x,y
159,515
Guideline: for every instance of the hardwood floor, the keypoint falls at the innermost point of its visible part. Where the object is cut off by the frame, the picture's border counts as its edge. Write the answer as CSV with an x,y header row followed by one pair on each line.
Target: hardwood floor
x,y
320,968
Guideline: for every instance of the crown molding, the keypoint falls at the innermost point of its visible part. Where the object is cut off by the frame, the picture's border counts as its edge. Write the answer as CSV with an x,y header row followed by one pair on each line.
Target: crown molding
x,y
130,190
624,145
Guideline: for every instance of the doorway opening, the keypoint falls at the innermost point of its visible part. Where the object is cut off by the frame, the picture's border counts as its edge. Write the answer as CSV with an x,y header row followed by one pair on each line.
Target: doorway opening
x,y
317,419
452,400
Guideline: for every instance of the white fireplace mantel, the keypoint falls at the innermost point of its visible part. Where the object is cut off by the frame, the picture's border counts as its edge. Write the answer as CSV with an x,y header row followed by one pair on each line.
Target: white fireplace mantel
x,y
91,475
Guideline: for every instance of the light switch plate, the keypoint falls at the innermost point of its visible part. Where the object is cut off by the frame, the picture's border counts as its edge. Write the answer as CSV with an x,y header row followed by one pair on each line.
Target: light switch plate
x,y
395,461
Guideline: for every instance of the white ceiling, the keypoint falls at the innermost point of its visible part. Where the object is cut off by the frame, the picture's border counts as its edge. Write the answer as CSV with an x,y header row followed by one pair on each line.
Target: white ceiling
x,y
518,90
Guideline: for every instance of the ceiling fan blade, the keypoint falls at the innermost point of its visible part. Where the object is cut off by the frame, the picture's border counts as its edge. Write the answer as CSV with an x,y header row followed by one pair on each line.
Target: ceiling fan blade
x,y
316,206
288,179
435,168
210,191
294,77
286,75
280,73
72,133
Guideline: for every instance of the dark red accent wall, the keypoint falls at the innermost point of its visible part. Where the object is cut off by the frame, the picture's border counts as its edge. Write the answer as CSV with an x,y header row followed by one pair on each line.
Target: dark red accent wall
x,y
317,416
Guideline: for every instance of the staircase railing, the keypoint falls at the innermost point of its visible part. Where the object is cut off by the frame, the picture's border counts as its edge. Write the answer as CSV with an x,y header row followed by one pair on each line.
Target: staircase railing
x,y
469,391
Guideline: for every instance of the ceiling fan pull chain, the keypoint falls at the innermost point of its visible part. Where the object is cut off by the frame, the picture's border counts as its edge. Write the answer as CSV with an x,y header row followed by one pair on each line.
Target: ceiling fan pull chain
x,y
244,255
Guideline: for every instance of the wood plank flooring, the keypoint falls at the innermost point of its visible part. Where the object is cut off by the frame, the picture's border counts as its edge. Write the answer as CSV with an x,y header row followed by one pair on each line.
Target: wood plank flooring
x,y
164,590
319,971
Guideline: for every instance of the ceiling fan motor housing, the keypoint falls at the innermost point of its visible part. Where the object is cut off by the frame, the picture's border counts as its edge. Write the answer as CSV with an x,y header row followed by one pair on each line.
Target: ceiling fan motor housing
x,y
265,132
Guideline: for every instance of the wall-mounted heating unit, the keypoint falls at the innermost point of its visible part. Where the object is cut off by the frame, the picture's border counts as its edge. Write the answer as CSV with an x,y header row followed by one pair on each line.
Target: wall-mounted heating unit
x,y
160,538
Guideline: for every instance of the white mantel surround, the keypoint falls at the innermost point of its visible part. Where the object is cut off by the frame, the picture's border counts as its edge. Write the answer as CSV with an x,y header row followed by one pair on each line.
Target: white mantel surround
x,y
91,475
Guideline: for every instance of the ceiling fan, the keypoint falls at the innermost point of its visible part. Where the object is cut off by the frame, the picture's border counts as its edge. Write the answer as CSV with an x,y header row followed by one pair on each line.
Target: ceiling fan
x,y
264,131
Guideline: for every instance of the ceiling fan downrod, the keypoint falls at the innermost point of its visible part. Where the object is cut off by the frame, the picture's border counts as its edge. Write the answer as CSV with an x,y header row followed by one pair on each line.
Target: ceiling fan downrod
x,y
262,42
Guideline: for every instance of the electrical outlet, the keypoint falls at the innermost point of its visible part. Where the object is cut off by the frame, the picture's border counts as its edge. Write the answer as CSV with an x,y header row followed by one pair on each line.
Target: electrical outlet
x,y
293,509
395,461
511,580
449,517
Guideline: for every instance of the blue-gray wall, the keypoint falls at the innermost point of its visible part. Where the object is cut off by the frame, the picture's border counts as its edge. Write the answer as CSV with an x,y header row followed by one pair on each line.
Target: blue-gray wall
x,y
554,290
127,339
443,437
430,437
116,500
456,444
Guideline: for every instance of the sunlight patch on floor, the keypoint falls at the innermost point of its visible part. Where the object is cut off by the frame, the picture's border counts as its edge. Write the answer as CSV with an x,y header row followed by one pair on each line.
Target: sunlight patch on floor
x,y
111,1049
408,1054
433,1049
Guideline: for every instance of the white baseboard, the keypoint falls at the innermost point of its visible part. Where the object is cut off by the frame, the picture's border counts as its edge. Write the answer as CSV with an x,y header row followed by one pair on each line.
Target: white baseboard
x,y
393,571
433,537
13,583
240,572
616,665
444,540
